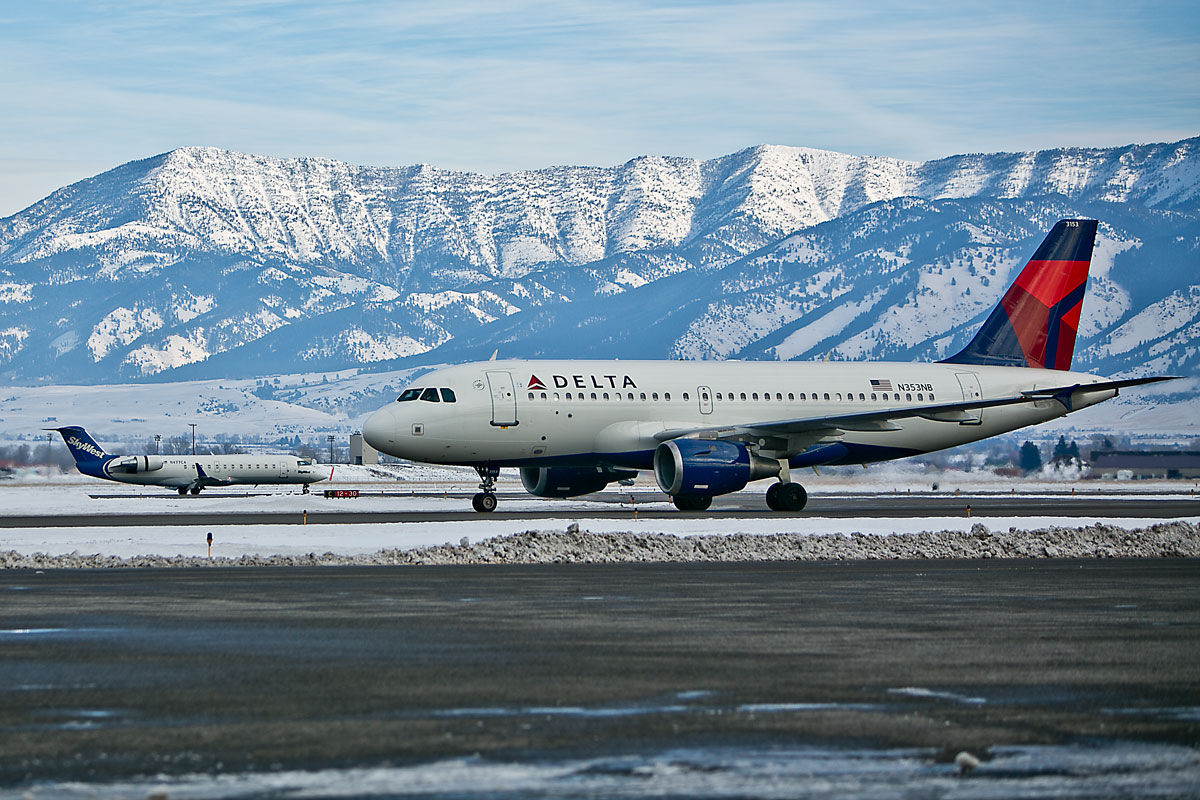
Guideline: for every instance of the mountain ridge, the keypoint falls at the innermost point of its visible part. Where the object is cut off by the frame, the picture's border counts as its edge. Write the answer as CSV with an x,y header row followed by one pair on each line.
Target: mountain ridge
x,y
160,266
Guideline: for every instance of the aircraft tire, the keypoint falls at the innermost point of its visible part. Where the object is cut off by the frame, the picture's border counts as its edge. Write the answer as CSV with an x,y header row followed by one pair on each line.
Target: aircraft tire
x,y
182,491
195,491
792,497
692,502
773,497
484,502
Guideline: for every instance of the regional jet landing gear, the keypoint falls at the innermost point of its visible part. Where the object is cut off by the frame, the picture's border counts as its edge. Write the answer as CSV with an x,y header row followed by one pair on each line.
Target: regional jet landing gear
x,y
183,490
786,497
485,501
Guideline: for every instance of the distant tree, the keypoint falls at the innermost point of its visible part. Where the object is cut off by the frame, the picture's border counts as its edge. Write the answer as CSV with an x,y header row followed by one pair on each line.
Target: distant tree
x,y
177,446
1030,458
305,451
1061,451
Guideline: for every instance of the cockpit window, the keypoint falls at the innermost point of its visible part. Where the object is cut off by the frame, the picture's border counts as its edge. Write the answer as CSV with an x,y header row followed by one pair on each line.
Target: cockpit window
x,y
305,462
430,396
408,394
448,396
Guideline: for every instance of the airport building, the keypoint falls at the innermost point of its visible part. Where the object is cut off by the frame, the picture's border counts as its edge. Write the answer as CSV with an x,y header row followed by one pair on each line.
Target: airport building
x,y
361,452
1143,464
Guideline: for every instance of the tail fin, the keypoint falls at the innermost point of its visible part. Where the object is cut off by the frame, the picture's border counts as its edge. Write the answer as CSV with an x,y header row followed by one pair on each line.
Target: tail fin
x,y
81,445
1035,323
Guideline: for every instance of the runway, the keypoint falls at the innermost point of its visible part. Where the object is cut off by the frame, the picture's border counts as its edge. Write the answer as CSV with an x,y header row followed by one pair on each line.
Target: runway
x,y
1067,678
648,505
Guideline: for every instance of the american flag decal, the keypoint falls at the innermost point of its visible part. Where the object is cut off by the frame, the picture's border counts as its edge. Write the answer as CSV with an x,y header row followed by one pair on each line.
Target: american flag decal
x,y
881,386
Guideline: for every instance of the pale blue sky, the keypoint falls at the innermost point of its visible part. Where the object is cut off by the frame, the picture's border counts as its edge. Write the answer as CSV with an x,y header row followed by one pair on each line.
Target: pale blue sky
x,y
464,85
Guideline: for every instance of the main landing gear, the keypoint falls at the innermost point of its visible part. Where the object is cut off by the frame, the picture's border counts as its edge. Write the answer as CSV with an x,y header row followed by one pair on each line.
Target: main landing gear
x,y
485,501
183,490
786,497
780,497
692,502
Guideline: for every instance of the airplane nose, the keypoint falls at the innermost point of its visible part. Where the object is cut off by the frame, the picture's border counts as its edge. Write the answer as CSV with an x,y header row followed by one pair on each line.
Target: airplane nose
x,y
379,430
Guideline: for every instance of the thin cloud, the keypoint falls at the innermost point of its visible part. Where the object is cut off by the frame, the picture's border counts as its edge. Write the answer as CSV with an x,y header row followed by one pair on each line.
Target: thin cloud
x,y
474,86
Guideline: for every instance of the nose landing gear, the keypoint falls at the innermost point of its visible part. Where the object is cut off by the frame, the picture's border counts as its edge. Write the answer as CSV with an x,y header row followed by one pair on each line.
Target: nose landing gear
x,y
485,502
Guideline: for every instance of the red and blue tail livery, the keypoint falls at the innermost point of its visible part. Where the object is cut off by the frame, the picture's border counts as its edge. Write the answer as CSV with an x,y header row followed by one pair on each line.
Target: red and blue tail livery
x,y
1037,319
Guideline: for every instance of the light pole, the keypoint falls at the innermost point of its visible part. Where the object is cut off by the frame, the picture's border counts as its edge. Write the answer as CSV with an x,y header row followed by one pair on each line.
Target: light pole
x,y
193,437
158,444
330,437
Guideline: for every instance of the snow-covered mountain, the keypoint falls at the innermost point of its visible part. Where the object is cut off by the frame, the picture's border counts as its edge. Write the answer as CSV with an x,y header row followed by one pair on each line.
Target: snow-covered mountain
x,y
205,263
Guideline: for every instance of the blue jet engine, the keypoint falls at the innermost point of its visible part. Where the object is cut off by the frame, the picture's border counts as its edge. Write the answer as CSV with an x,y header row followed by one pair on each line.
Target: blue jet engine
x,y
569,481
707,467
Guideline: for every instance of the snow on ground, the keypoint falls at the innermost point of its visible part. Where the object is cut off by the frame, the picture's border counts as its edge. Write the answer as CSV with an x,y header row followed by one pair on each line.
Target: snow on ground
x,y
232,541
304,404
72,494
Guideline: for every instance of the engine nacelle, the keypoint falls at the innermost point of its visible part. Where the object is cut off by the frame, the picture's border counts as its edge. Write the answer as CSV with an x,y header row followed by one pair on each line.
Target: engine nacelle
x,y
139,464
569,481
708,467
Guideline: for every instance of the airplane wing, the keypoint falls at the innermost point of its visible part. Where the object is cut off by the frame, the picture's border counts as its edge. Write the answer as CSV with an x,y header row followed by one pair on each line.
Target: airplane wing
x,y
812,429
1063,394
204,479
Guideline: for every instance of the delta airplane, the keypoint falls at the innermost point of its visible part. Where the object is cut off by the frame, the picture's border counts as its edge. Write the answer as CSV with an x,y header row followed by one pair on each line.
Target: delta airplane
x,y
187,473
708,428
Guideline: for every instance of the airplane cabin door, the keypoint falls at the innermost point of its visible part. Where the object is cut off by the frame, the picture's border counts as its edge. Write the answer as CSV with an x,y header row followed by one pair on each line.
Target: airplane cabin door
x,y
971,390
504,398
705,396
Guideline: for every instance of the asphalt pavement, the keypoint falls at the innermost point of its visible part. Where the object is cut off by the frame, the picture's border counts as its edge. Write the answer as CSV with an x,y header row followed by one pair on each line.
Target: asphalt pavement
x,y
650,505
108,674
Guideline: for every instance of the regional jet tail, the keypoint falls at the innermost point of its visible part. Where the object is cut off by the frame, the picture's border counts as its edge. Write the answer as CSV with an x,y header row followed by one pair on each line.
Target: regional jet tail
x,y
186,473
708,428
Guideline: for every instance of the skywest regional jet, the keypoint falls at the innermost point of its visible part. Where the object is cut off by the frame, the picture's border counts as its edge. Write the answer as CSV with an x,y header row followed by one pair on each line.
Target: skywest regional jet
x,y
186,473
708,428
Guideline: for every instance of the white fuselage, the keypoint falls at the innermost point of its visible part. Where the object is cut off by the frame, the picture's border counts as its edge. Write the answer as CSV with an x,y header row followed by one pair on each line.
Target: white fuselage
x,y
223,470
530,413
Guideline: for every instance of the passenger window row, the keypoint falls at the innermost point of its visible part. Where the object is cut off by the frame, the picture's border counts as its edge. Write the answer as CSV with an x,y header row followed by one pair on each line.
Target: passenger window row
x,y
652,396
752,396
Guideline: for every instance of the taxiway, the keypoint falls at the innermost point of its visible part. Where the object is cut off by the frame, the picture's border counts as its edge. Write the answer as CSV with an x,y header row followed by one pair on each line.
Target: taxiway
x,y
614,505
